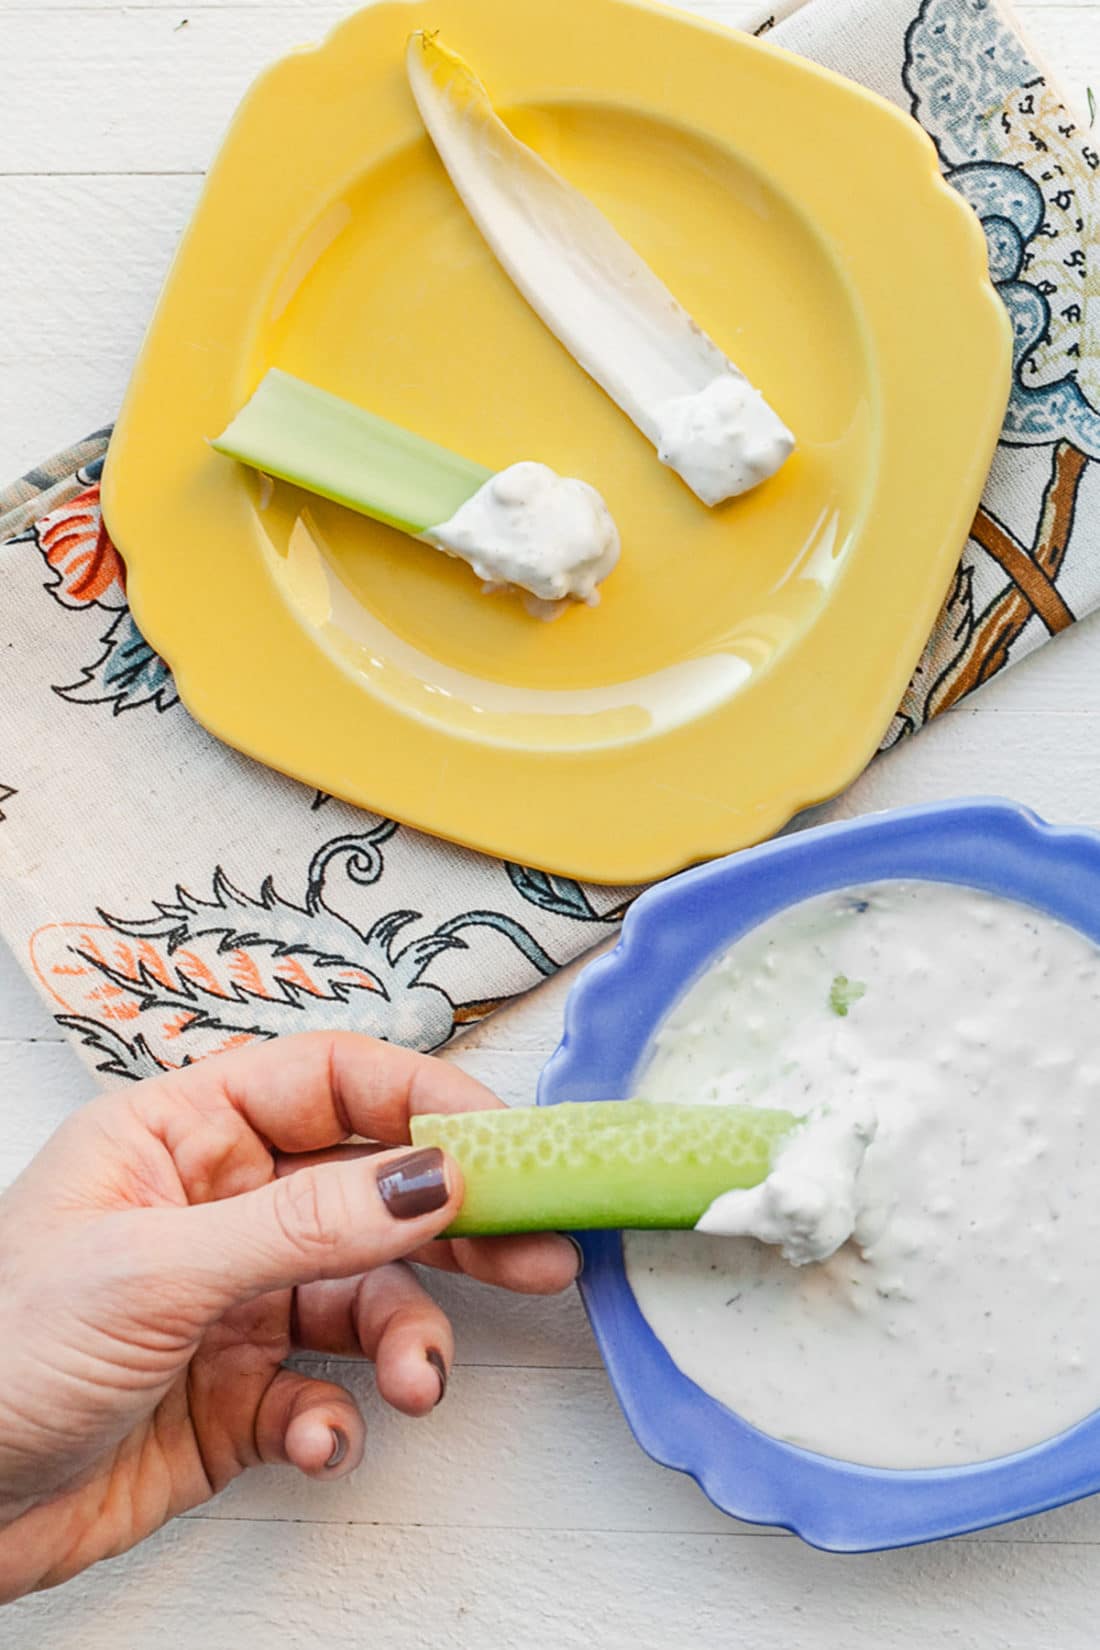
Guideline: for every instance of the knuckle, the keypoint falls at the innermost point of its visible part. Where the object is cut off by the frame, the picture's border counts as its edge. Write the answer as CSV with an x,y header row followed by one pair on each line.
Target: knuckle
x,y
220,1158
312,1212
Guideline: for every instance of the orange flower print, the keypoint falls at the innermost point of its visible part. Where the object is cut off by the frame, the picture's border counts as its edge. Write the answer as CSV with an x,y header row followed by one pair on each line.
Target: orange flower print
x,y
198,973
87,569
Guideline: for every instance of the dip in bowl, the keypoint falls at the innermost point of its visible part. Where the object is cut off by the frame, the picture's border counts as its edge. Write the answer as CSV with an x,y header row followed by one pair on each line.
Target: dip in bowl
x,y
939,1373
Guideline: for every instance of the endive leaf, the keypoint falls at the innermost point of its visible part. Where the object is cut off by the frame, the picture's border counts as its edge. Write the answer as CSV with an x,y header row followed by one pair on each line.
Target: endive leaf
x,y
594,292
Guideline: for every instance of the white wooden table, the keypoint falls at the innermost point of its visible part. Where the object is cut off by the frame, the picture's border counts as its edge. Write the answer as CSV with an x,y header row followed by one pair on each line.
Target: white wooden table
x,y
521,1516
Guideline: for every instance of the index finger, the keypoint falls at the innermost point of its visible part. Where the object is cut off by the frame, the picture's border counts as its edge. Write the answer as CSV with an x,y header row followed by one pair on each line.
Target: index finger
x,y
312,1090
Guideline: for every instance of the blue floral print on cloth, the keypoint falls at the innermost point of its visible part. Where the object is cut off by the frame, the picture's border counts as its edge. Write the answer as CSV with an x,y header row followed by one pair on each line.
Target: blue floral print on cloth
x,y
172,898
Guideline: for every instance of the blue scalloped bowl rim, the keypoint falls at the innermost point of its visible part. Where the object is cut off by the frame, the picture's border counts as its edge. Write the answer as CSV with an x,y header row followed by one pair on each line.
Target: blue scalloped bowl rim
x,y
670,935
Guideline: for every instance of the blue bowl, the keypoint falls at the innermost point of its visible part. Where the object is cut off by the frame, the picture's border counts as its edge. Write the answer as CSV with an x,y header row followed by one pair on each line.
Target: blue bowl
x,y
670,936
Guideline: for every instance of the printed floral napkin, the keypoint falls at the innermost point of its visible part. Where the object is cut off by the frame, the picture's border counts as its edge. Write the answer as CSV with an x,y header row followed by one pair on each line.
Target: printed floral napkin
x,y
172,898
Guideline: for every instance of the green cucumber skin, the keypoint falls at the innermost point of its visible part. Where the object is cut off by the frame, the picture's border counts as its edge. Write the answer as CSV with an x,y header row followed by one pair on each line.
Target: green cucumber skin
x,y
300,433
605,1164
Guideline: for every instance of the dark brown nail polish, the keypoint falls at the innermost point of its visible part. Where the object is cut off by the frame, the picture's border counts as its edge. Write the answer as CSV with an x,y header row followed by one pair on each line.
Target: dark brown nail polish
x,y
339,1446
415,1184
436,1360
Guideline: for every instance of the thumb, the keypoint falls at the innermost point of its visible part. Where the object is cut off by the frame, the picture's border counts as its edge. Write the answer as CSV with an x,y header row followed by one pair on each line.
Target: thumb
x,y
329,1220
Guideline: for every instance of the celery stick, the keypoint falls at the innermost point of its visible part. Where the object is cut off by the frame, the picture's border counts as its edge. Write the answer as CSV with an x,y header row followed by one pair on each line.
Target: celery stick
x,y
302,434
629,1163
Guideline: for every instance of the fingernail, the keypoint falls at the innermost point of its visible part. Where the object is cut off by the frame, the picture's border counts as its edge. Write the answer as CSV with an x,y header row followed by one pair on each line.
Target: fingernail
x,y
415,1184
436,1360
339,1446
569,1238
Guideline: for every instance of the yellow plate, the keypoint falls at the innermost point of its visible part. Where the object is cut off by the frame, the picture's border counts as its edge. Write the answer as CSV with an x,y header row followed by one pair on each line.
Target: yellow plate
x,y
744,661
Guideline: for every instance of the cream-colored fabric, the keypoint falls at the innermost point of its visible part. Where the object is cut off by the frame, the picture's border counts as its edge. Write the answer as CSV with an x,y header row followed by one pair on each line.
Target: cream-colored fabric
x,y
171,897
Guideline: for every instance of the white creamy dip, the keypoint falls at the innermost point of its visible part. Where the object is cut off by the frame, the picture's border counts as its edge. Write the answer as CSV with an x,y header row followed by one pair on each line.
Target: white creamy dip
x,y
529,527
809,1204
723,439
962,1321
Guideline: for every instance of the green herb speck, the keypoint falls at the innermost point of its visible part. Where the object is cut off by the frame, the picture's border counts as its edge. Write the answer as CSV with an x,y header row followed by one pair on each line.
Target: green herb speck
x,y
1092,106
843,993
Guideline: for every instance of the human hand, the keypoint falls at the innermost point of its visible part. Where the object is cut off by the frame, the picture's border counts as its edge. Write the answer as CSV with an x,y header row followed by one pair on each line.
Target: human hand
x,y
175,1241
